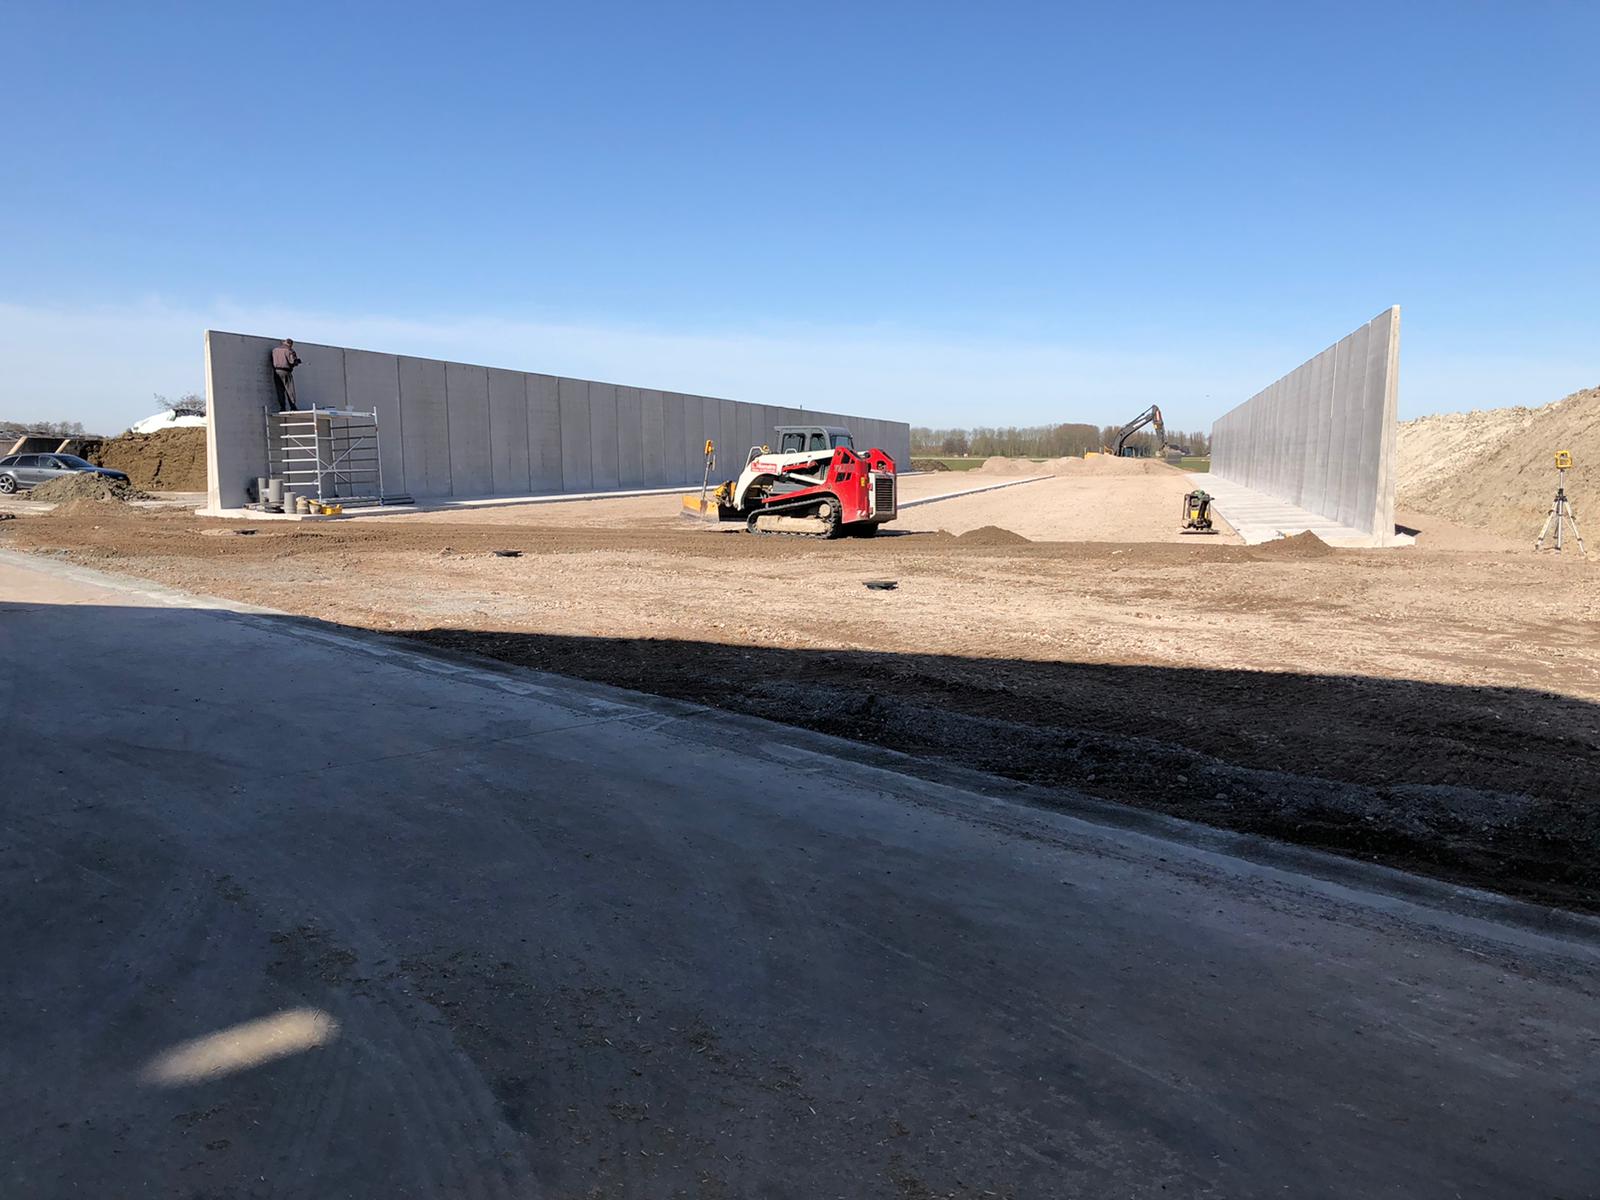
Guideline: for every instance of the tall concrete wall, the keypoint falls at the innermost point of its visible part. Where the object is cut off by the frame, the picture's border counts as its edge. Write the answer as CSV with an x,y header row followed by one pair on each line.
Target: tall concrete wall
x,y
452,429
1323,436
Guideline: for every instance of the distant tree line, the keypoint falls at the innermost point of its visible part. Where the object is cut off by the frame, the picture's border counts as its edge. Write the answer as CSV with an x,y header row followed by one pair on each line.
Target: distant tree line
x,y
1041,441
190,404
15,429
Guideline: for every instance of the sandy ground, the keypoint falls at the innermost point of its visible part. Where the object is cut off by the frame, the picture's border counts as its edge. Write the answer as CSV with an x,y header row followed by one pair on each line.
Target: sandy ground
x,y
1436,707
1074,508
1139,503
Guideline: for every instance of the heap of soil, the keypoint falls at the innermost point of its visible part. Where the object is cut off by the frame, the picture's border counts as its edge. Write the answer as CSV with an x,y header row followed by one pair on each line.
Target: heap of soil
x,y
928,464
1301,545
170,460
992,535
84,486
1106,464
1494,469
1061,466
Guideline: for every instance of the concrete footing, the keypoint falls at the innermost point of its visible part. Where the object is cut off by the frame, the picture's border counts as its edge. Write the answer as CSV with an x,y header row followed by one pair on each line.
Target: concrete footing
x,y
1257,517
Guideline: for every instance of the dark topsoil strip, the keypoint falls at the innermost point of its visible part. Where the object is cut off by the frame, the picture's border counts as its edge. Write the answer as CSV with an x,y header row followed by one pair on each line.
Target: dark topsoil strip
x,y
1491,787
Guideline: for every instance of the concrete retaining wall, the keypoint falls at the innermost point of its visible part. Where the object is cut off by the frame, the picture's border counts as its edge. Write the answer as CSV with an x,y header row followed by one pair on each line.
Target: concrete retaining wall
x,y
1323,436
456,430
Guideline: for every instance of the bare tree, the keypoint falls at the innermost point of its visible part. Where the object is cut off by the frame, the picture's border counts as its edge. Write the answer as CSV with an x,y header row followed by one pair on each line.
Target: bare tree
x,y
187,405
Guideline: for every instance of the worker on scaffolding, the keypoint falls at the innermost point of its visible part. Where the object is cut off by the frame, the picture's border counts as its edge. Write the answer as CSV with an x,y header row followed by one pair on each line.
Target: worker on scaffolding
x,y
284,361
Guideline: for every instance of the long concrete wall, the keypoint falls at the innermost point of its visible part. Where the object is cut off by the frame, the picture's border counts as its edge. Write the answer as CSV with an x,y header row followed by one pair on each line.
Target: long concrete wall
x,y
454,430
1323,436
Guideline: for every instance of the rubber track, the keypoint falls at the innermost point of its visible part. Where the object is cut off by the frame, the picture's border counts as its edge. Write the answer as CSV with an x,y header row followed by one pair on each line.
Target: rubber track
x,y
783,510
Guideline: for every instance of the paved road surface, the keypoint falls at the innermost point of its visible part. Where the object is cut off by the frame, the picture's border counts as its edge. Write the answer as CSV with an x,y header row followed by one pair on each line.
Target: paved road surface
x,y
295,913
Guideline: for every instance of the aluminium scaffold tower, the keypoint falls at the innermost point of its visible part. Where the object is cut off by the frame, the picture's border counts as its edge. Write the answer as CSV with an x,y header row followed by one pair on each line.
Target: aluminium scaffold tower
x,y
331,454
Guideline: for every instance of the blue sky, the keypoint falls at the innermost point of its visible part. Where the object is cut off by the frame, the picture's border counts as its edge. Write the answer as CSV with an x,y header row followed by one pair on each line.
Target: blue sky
x,y
950,214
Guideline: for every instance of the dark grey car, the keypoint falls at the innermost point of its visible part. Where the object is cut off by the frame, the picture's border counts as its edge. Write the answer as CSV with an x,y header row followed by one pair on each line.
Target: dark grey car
x,y
23,472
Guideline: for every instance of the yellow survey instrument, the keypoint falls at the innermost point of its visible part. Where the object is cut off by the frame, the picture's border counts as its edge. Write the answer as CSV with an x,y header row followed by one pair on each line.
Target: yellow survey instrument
x,y
1561,516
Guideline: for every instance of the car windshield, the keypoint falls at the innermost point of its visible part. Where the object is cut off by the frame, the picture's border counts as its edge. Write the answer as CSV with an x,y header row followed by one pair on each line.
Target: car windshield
x,y
843,439
73,461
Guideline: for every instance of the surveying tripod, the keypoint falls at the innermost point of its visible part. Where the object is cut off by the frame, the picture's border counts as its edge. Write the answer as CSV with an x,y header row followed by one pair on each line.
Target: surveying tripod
x,y
1561,513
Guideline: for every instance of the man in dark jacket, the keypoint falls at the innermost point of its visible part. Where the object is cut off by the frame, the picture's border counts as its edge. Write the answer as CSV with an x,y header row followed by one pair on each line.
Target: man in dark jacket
x,y
284,361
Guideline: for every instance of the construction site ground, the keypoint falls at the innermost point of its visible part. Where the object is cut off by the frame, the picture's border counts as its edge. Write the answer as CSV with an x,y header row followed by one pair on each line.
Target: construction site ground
x,y
1436,708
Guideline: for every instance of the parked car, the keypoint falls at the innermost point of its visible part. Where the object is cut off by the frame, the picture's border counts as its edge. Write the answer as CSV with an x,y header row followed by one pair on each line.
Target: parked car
x,y
23,472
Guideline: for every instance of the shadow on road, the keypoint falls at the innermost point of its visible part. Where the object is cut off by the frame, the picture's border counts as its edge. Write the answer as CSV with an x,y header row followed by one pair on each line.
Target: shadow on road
x,y
1492,787
344,923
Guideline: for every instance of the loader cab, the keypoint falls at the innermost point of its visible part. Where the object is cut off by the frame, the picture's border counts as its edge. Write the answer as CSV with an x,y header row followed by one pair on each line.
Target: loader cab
x,y
798,439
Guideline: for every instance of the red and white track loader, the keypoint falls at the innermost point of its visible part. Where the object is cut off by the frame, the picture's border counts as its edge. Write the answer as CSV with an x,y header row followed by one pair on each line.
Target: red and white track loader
x,y
814,484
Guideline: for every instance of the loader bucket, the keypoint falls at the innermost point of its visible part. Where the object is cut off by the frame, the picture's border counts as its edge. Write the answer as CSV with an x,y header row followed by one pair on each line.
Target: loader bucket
x,y
709,511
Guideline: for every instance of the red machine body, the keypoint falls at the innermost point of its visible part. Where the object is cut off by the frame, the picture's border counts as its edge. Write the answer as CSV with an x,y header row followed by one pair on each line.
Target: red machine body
x,y
820,493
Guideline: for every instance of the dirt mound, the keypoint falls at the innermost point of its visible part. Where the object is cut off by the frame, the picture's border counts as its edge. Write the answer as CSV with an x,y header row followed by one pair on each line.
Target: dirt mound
x,y
1494,469
1106,464
84,486
1001,465
1061,466
1301,545
171,460
991,535
928,464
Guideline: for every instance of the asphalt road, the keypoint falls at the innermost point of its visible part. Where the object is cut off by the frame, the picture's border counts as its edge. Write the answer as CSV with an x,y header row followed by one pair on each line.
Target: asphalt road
x,y
295,912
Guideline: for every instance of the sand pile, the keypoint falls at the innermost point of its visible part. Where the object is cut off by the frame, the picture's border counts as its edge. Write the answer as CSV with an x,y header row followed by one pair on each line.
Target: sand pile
x,y
1001,465
1105,464
85,486
928,464
171,460
1494,468
1061,466
991,535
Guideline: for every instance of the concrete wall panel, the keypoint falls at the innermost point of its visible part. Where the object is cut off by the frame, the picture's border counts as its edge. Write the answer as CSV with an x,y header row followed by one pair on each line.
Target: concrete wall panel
x,y
1313,461
603,436
319,379
711,430
653,429
467,406
680,438
1323,436
239,390
508,431
630,437
577,461
749,427
544,433
424,427
374,379
1349,395
454,429
730,445
1383,398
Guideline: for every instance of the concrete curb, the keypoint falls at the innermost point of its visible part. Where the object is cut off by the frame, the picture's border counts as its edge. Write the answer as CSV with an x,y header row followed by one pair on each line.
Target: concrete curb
x,y
988,487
